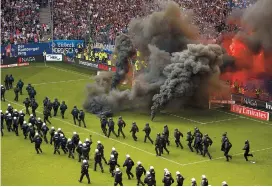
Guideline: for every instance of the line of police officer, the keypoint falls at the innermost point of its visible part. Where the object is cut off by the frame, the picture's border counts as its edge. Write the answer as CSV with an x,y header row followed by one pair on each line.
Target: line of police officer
x,y
16,118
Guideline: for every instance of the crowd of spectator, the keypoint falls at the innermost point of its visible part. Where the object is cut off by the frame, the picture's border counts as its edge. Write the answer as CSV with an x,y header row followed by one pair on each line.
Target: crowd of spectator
x,y
108,17
81,19
20,22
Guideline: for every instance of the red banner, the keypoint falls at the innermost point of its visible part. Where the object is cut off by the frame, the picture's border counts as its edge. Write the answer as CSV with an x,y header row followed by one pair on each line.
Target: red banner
x,y
222,102
250,112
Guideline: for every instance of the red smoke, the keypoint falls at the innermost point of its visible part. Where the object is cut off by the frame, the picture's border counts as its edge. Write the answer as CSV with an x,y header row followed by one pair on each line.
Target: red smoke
x,y
247,64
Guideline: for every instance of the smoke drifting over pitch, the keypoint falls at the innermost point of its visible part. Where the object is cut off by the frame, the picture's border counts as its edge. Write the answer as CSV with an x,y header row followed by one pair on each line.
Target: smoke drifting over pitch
x,y
178,67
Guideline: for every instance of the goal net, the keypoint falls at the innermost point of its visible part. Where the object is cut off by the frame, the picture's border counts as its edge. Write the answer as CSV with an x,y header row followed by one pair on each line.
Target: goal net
x,y
220,102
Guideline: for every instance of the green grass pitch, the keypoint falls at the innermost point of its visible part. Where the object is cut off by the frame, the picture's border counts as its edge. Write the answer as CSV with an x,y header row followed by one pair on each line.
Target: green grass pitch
x,y
20,165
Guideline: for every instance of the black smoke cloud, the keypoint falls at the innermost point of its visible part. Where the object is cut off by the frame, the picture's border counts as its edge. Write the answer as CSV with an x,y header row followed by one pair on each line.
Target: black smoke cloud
x,y
257,20
178,66
124,50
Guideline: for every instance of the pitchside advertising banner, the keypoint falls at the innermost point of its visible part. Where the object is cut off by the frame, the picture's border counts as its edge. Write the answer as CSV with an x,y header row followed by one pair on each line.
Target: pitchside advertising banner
x,y
250,112
251,102
20,61
67,47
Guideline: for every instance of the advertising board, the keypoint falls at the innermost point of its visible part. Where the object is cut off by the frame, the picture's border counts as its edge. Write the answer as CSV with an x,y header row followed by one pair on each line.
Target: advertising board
x,y
250,112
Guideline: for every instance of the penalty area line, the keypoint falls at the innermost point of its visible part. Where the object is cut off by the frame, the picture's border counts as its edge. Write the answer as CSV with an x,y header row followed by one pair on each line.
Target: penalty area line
x,y
185,118
56,82
70,71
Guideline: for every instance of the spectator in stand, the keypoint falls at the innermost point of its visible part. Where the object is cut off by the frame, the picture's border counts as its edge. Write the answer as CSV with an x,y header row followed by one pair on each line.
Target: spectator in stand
x,y
20,22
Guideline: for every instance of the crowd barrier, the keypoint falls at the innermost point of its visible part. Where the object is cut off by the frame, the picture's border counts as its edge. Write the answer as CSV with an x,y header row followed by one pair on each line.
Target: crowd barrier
x,y
89,64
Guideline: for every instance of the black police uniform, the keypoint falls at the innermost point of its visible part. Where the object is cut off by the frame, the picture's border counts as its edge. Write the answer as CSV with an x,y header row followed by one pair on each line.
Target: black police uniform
x,y
25,130
34,106
57,141
115,154
38,142
204,182
81,117
63,108
3,90
98,160
177,135
44,130
140,170
100,148
164,143
70,147
129,164
75,140
226,148
31,133
118,178
56,106
27,105
112,163
85,171
147,131
52,132
63,143
21,119
75,113
2,123
149,180
158,145
111,128
16,91
79,151
15,126
134,130
168,180
247,149
46,114
206,143
104,124
180,180
190,139
121,124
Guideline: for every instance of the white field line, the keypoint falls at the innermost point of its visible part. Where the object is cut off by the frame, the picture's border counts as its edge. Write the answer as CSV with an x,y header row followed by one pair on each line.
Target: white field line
x,y
229,119
70,71
198,162
231,114
56,82
186,119
103,136
121,142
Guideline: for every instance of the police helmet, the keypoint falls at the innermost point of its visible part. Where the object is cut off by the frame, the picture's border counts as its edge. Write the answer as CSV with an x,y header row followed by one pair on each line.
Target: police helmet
x,y
84,161
151,167
112,156
117,169
177,173
139,163
96,150
84,145
113,149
